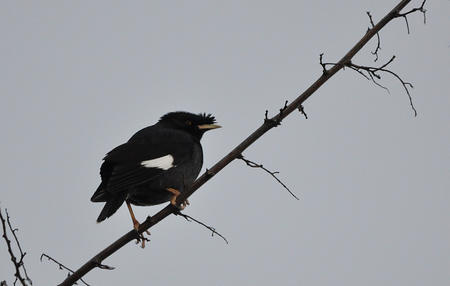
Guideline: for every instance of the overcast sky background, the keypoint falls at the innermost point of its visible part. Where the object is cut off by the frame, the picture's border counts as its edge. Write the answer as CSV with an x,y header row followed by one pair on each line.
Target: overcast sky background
x,y
80,77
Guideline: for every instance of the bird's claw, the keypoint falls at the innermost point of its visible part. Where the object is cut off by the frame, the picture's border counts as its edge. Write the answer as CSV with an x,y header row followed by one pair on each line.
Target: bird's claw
x,y
184,204
181,206
141,237
173,201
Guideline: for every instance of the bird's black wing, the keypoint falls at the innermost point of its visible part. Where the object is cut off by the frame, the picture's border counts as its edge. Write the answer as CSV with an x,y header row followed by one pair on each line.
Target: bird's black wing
x,y
143,159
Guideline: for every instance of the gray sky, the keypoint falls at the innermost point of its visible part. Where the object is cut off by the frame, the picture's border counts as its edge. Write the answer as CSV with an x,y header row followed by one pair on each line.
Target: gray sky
x,y
80,77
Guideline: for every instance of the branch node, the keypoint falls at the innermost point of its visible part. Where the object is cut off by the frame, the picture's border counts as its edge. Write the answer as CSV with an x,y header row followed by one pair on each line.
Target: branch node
x,y
268,120
378,47
209,173
373,75
324,68
302,111
405,15
104,266
276,121
61,266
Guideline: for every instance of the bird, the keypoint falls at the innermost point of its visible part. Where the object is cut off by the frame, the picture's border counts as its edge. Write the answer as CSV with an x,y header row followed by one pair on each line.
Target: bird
x,y
155,165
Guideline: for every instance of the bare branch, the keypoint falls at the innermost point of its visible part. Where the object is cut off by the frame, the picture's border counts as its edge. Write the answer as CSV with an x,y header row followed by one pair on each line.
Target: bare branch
x,y
273,174
18,263
239,149
212,229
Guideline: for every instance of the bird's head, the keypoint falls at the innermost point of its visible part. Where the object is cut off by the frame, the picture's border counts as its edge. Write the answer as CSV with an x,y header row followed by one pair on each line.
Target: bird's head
x,y
195,124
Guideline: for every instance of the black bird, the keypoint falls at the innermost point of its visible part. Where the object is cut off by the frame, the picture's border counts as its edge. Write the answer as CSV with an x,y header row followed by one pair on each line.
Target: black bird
x,y
155,165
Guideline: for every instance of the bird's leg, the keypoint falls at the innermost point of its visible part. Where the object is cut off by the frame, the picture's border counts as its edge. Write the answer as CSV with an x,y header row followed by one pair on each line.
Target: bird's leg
x,y
173,201
133,218
136,224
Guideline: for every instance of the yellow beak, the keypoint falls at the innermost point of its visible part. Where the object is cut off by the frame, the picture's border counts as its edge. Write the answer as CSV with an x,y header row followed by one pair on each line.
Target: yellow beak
x,y
208,126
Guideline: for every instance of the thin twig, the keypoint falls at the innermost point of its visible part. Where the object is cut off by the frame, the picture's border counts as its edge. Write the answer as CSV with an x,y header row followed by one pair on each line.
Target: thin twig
x,y
370,76
372,72
420,9
18,263
212,229
61,266
302,111
276,120
324,65
375,52
373,76
273,174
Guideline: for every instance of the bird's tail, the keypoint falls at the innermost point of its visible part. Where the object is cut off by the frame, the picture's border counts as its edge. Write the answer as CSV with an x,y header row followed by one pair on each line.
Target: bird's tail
x,y
111,206
100,194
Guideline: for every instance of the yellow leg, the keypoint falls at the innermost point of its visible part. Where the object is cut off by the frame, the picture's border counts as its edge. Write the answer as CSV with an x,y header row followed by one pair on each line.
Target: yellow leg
x,y
173,201
136,224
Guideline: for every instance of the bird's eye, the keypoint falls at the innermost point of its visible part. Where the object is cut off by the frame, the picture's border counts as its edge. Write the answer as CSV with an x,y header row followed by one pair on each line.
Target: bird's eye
x,y
188,122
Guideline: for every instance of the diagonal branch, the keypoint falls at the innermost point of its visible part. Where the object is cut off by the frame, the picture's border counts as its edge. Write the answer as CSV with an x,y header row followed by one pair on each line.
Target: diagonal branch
x,y
233,154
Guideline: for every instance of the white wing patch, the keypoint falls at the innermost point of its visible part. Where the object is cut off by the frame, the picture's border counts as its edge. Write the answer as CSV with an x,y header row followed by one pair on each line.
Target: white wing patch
x,y
164,162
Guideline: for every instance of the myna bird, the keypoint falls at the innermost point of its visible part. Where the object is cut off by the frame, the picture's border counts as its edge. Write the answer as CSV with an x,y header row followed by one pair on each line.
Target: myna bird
x,y
157,164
